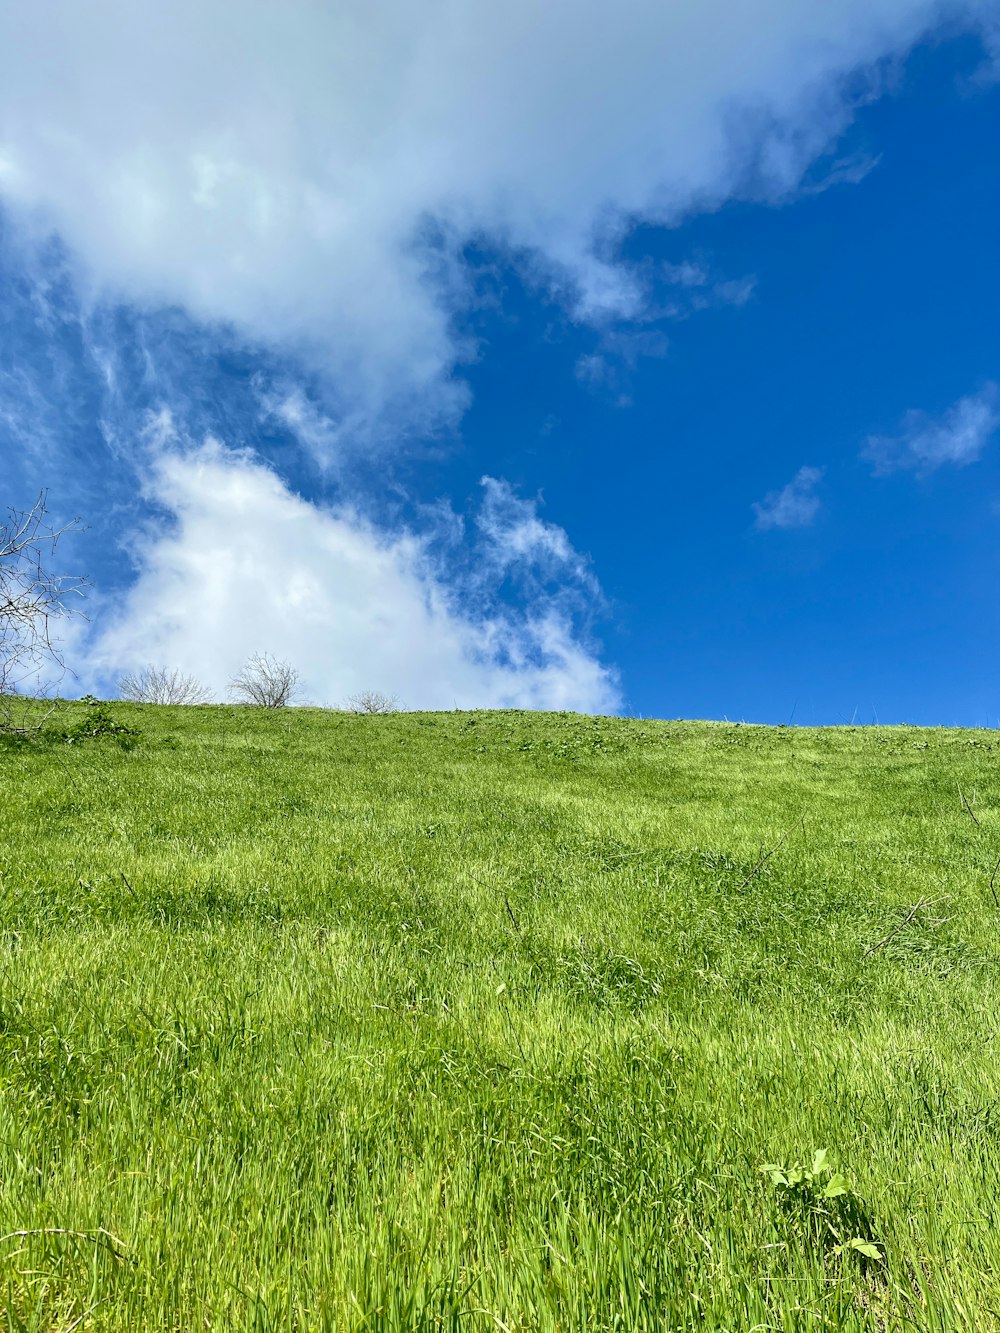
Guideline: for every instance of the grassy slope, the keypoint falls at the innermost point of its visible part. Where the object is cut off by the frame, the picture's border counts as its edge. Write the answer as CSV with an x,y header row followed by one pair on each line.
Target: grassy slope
x,y
488,1021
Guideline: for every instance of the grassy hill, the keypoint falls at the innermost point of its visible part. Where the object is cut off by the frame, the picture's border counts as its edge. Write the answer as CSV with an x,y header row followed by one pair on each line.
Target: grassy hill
x,y
489,1021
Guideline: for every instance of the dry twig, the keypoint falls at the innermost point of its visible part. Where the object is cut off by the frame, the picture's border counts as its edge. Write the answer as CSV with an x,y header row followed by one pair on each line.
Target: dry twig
x,y
917,907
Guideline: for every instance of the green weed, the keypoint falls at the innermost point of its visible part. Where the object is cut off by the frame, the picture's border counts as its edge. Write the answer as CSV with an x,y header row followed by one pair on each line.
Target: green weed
x,y
823,1207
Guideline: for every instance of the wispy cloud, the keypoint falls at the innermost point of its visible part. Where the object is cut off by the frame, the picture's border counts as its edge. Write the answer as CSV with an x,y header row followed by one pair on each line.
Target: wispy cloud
x,y
850,170
923,443
609,369
693,286
989,30
517,540
315,431
794,506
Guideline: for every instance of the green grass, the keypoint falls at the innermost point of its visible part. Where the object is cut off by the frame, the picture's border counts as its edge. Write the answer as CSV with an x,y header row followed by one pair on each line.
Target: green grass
x,y
488,1022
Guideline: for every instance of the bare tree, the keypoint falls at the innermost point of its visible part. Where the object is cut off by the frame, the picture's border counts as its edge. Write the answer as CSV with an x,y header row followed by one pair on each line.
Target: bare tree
x,y
371,701
265,682
161,685
32,599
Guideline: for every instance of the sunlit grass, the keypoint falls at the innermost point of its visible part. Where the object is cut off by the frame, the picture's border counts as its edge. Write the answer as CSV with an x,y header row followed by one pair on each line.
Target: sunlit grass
x,y
488,1021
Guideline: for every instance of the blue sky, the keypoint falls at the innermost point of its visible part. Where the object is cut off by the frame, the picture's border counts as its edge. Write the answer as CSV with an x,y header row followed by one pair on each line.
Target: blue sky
x,y
492,358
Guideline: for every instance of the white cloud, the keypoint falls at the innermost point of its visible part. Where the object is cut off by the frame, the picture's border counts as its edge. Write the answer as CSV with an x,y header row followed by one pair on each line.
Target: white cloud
x,y
794,506
243,565
925,443
310,172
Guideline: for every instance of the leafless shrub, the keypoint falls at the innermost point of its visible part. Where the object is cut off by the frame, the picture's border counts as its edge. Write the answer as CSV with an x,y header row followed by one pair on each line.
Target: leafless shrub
x,y
265,682
371,701
32,598
161,685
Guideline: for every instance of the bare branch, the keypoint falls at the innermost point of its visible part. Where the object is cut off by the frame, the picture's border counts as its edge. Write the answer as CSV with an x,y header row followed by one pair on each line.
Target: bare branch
x,y
265,682
371,701
968,808
762,860
161,685
918,906
32,599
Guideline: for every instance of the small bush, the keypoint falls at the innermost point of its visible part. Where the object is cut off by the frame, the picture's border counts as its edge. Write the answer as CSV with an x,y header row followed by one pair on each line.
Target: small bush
x,y
96,723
